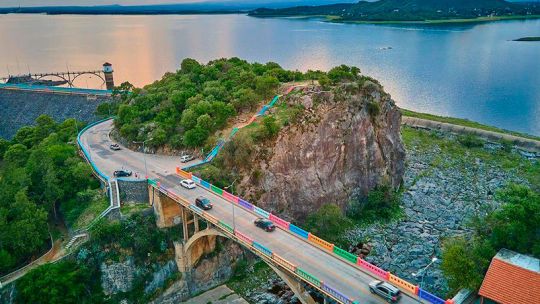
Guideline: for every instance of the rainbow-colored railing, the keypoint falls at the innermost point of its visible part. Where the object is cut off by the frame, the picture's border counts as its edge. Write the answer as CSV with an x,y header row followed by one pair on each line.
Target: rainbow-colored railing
x,y
344,255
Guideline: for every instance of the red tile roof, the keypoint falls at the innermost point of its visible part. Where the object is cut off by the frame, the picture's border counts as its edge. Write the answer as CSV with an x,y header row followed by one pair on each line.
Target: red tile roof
x,y
506,283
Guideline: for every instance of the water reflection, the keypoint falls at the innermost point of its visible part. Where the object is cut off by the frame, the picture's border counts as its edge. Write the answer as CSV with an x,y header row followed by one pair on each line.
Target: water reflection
x,y
471,70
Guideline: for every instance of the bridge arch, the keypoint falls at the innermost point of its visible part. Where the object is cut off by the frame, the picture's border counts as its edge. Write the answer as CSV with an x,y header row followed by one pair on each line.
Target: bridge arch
x,y
88,73
295,285
70,83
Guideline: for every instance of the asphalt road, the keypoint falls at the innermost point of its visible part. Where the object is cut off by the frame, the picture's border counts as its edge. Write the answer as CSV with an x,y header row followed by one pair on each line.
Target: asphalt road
x,y
349,280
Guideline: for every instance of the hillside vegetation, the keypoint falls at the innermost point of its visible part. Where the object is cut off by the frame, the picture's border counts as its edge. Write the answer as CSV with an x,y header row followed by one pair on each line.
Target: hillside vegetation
x,y
39,171
409,10
183,109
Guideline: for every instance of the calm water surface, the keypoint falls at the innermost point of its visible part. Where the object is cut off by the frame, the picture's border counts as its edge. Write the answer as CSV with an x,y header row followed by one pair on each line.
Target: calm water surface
x,y
471,71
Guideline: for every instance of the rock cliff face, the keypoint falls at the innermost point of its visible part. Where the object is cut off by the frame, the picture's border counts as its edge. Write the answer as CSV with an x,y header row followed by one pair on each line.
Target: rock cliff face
x,y
347,140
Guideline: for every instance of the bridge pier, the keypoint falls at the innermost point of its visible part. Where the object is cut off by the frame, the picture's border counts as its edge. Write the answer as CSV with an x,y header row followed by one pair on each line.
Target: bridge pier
x,y
296,286
168,212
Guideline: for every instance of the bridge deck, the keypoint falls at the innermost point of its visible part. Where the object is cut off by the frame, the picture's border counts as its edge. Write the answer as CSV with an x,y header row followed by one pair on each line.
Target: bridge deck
x,y
333,271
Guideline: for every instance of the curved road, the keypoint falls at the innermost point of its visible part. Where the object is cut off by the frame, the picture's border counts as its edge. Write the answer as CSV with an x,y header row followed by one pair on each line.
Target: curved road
x,y
338,274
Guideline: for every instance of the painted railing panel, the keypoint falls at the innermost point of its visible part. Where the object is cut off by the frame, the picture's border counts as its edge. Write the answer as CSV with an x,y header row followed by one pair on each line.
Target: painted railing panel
x,y
345,254
283,262
338,295
321,243
399,282
226,195
196,179
280,222
246,239
299,231
274,100
205,184
183,174
197,210
262,248
261,212
226,226
422,294
373,269
216,190
245,204
308,277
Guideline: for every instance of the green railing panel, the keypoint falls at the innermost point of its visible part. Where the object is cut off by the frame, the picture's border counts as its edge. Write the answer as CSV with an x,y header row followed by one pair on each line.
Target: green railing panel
x,y
346,255
308,277
216,190
226,226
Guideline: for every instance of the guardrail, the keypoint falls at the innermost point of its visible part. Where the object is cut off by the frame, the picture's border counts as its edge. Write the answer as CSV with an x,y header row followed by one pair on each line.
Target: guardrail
x,y
355,261
221,142
50,89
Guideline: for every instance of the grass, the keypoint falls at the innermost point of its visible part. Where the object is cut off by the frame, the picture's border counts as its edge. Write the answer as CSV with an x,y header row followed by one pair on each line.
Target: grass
x,y
79,213
454,153
465,123
133,208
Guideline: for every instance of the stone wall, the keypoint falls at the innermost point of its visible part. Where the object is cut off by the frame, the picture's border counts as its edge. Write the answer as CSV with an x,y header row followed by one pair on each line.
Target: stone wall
x,y
133,192
21,108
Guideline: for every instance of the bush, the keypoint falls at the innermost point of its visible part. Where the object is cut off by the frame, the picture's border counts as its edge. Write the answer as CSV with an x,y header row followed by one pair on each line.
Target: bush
x,y
373,109
470,141
328,223
381,203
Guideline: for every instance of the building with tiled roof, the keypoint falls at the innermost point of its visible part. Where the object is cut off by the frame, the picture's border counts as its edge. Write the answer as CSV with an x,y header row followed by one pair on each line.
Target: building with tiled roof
x,y
512,278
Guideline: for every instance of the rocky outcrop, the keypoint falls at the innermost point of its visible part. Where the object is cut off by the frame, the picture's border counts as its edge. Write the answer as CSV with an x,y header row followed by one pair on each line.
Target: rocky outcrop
x,y
118,277
215,259
346,140
442,193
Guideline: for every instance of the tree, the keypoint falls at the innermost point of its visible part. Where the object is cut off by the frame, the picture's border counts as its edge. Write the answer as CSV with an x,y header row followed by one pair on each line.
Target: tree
x,y
514,226
266,85
464,263
62,282
329,223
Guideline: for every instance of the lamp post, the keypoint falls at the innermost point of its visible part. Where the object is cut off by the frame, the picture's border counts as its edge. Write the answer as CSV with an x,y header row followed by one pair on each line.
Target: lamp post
x,y
422,272
144,155
232,204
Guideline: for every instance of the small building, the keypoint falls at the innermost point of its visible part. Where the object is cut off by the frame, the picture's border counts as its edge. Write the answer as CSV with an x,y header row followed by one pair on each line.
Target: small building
x,y
512,278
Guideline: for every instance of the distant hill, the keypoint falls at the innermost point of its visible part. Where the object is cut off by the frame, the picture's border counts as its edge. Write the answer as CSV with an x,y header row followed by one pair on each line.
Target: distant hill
x,y
409,10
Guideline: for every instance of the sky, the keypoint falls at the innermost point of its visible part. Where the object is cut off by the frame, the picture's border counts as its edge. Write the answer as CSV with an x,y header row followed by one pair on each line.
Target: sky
x,y
15,3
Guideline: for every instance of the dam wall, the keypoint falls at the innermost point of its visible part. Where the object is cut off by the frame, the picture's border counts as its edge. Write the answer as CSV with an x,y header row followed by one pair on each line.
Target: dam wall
x,y
20,108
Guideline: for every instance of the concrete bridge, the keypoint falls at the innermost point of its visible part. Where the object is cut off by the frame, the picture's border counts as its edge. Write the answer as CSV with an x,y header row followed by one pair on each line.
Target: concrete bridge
x,y
299,257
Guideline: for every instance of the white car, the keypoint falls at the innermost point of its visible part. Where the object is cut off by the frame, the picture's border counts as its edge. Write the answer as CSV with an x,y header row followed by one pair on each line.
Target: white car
x,y
186,158
188,184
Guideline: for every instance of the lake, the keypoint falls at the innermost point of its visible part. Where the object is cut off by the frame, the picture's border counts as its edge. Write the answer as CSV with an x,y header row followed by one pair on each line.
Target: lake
x,y
470,71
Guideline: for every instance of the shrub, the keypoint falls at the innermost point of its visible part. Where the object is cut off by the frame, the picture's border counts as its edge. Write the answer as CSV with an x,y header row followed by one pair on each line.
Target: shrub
x,y
373,109
381,203
329,223
470,141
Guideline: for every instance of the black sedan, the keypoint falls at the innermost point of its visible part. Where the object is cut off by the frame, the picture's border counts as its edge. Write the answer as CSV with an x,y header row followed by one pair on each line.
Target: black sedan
x,y
122,173
203,203
265,224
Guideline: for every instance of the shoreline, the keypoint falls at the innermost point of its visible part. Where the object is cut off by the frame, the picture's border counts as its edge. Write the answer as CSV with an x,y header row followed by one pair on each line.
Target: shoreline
x,y
337,19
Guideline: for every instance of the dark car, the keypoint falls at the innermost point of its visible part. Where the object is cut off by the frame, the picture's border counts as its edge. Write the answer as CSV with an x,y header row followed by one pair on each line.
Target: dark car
x,y
122,173
389,292
203,202
265,224
115,147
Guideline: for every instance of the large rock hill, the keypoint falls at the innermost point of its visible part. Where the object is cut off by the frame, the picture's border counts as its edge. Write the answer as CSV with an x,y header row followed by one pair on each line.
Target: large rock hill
x,y
347,140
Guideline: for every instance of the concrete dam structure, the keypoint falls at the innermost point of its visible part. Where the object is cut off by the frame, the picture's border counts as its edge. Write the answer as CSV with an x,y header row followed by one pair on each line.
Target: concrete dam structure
x,y
19,108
